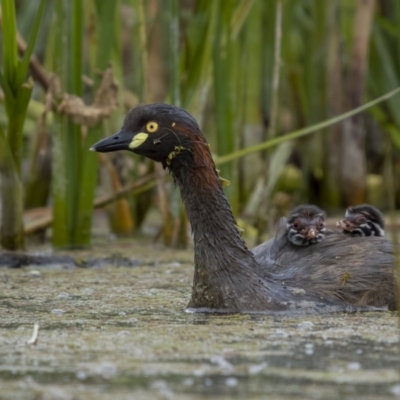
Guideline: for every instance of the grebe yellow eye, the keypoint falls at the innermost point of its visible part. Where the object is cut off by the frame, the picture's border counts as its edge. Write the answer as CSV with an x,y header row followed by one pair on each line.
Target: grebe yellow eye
x,y
152,127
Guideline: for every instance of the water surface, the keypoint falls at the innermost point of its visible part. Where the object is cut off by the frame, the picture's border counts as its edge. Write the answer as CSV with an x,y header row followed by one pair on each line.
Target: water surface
x,y
108,330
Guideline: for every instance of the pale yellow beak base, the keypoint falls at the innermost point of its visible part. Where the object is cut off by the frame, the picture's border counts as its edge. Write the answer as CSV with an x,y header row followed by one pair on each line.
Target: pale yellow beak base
x,y
138,140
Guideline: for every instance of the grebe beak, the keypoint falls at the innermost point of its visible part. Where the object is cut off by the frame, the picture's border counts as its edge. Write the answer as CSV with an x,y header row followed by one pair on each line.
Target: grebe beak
x,y
122,140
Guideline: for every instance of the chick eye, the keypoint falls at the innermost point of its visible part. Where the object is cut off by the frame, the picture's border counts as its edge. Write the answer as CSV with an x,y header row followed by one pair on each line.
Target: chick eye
x,y
152,127
320,224
361,220
296,225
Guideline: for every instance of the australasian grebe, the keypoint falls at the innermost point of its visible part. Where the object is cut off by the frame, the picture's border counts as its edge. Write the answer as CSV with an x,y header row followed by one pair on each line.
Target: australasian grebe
x,y
227,276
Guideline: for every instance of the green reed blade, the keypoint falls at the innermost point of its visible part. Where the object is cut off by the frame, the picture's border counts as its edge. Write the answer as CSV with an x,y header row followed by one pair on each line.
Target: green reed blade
x,y
105,24
17,96
105,11
76,31
239,16
82,232
197,61
304,131
10,54
24,63
9,100
72,145
57,55
11,199
174,73
384,72
16,122
61,236
223,92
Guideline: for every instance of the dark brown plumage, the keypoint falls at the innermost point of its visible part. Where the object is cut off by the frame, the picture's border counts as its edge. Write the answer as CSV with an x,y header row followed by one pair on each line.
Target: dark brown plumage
x,y
338,274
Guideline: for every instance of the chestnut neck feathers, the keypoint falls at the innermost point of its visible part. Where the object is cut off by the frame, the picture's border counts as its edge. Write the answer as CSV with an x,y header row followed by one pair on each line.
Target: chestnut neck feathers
x,y
221,255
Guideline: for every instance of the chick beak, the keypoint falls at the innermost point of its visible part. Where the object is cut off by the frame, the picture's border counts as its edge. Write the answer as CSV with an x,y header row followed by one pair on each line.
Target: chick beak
x,y
312,233
118,141
346,225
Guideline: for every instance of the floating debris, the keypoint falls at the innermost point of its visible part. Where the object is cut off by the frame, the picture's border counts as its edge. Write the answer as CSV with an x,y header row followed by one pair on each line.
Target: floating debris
x,y
280,333
231,382
257,368
353,366
35,274
63,296
35,334
345,277
306,325
57,311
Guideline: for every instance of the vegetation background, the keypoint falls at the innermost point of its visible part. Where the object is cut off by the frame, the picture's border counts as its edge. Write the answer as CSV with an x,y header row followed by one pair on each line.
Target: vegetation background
x,y
250,71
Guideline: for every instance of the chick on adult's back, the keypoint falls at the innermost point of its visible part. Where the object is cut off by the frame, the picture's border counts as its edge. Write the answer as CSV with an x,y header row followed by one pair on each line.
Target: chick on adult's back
x,y
362,220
